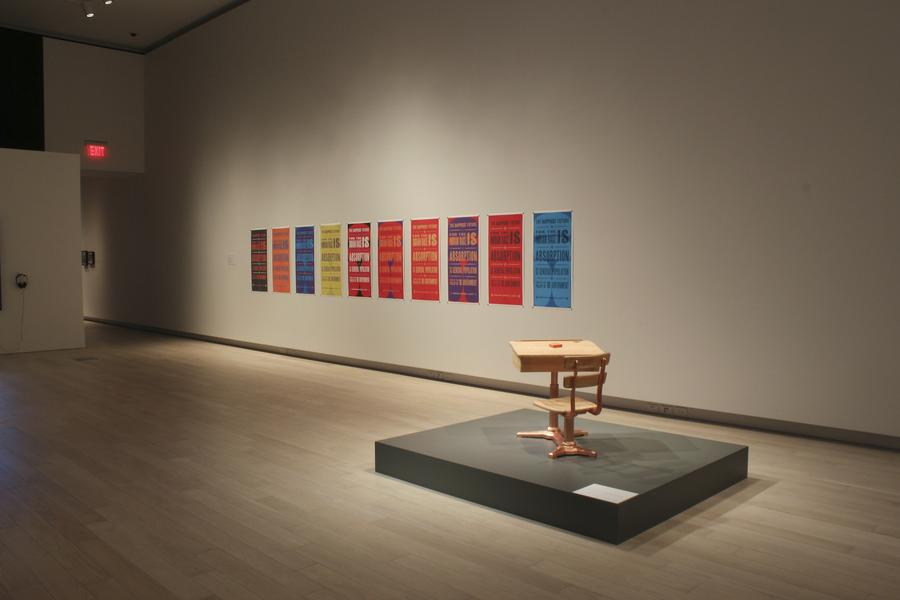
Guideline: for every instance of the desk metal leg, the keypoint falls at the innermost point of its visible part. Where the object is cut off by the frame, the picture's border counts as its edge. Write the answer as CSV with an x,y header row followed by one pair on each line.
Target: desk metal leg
x,y
553,425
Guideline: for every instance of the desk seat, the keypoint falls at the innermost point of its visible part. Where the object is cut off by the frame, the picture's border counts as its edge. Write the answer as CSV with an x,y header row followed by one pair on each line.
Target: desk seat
x,y
562,405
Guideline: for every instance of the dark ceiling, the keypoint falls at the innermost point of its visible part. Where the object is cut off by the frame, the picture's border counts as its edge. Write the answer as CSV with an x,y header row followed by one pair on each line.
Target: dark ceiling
x,y
136,25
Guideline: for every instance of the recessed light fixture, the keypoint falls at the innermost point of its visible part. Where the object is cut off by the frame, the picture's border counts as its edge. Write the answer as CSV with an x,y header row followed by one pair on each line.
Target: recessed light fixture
x,y
107,2
88,10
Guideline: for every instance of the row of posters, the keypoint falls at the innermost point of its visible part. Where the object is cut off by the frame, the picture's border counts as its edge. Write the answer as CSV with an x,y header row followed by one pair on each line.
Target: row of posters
x,y
552,272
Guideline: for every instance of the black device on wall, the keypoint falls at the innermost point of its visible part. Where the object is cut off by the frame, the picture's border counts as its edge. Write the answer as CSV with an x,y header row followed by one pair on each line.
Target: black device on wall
x,y
88,259
22,97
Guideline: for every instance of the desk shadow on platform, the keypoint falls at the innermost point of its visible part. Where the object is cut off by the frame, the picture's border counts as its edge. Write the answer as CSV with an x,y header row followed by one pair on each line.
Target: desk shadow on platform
x,y
641,477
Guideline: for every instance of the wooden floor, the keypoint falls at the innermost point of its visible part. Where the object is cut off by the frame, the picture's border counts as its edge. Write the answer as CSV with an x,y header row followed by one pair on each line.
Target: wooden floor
x,y
153,467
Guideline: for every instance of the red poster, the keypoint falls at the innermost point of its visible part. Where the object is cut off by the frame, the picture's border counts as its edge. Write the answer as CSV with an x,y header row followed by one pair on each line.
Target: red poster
x,y
425,267
390,259
505,259
281,259
359,266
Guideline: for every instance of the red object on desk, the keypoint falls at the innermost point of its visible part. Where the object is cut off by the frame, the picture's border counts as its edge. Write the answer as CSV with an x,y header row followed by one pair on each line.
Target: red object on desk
x,y
556,345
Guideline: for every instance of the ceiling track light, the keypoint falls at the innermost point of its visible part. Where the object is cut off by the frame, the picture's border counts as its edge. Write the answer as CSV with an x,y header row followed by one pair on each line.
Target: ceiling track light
x,y
87,6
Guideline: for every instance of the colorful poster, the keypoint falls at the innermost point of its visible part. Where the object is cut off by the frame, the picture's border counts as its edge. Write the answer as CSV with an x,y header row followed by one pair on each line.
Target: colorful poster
x,y
259,260
553,259
359,267
425,264
390,259
305,260
462,259
281,259
330,259
505,259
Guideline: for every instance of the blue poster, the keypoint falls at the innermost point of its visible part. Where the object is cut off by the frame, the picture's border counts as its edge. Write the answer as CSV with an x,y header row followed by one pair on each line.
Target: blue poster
x,y
553,259
462,259
304,259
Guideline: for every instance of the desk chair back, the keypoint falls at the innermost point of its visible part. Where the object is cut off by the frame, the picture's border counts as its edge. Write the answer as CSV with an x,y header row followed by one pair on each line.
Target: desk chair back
x,y
577,364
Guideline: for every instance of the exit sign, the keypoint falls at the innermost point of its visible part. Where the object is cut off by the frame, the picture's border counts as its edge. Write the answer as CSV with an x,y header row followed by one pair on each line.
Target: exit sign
x,y
95,150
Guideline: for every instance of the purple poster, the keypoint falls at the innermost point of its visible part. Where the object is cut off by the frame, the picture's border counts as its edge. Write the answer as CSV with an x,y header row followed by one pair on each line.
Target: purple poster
x,y
304,260
462,259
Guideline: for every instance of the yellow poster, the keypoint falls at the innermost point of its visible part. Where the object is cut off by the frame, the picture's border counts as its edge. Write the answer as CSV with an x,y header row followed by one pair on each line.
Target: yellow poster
x,y
330,248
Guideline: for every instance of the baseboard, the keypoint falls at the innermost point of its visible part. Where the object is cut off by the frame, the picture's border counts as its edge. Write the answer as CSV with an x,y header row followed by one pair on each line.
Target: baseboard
x,y
834,434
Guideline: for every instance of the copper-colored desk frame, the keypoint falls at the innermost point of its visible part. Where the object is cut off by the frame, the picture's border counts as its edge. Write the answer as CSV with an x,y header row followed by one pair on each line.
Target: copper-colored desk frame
x,y
538,356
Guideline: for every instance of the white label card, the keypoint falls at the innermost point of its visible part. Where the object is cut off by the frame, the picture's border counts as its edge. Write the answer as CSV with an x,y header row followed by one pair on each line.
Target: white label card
x,y
605,493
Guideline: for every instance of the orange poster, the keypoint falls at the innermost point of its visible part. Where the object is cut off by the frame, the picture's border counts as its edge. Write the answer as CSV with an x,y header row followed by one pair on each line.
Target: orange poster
x,y
390,259
425,266
281,259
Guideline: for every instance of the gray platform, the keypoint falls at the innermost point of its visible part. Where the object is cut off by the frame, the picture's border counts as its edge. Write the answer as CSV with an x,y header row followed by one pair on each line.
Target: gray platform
x,y
640,478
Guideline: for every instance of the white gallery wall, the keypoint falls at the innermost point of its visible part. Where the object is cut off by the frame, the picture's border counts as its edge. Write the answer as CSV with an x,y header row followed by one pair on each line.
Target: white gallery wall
x,y
40,235
112,226
96,94
731,166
